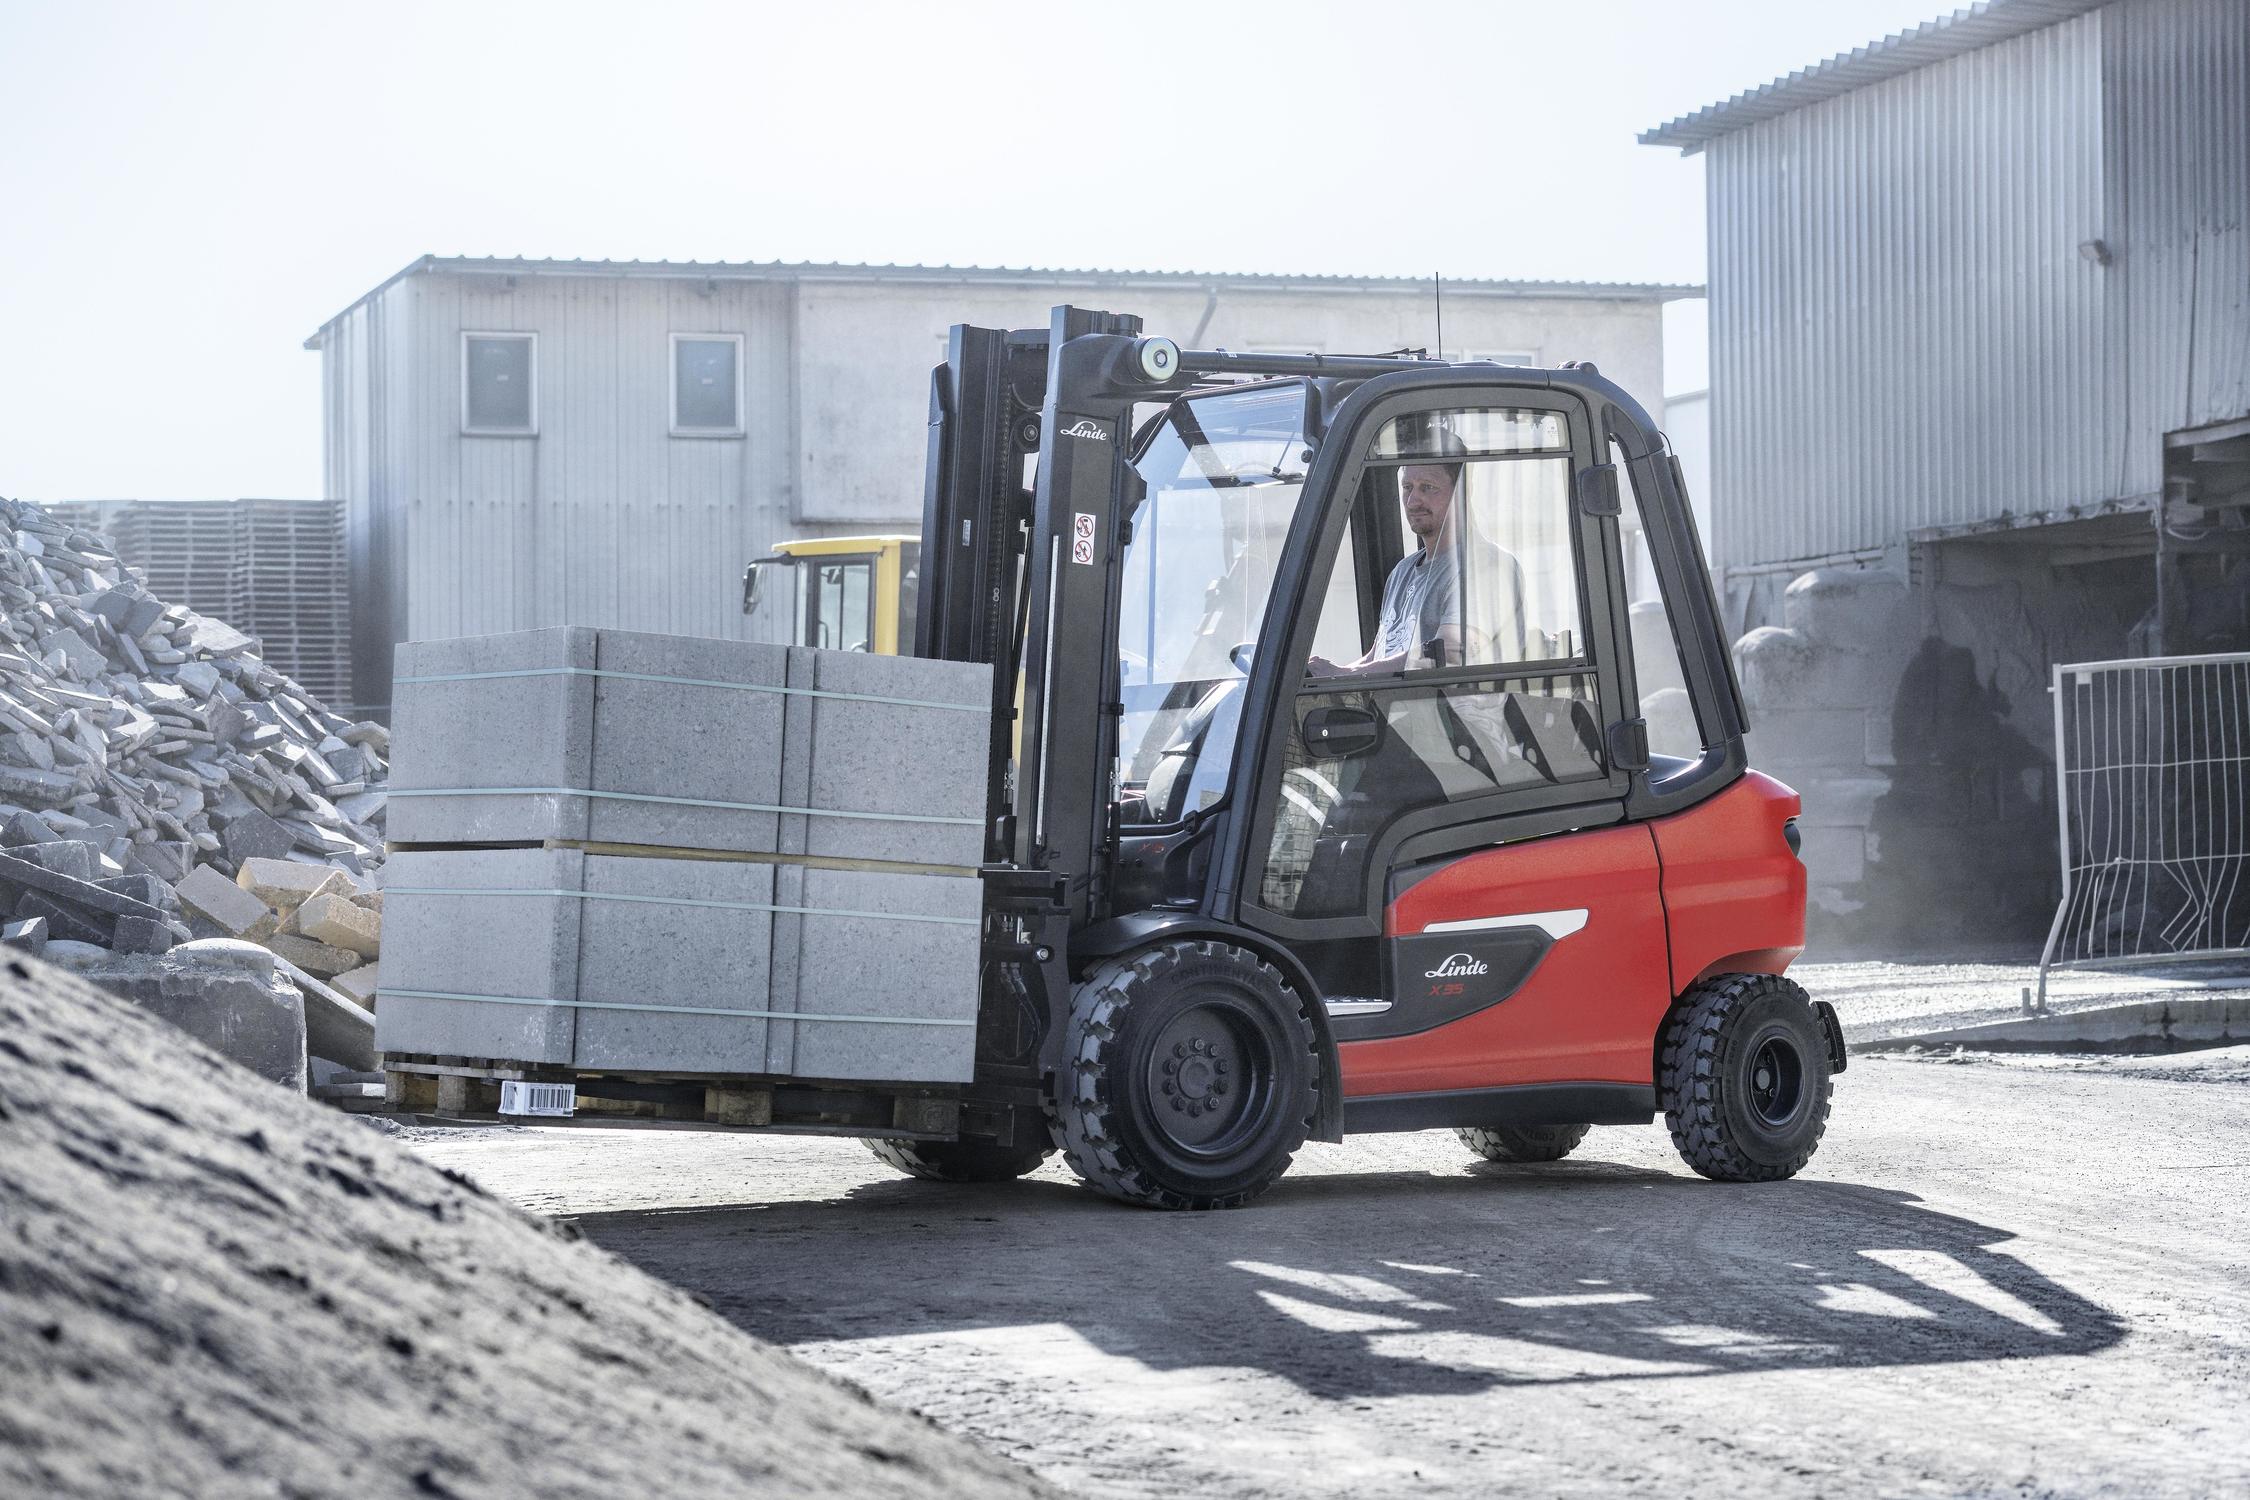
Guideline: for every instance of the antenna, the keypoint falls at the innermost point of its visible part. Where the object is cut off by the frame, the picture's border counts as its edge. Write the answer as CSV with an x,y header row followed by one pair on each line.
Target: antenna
x,y
1437,284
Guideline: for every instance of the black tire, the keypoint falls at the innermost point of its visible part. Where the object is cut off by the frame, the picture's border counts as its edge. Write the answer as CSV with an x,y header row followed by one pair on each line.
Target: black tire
x,y
960,1161
1744,1077
1523,1142
1193,1077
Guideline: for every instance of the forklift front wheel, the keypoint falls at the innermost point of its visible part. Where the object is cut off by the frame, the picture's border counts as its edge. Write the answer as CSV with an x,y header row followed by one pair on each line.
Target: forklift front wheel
x,y
1193,1077
1744,1076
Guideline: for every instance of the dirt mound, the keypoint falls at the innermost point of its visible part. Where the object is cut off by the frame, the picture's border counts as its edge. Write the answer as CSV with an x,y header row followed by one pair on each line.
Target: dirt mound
x,y
211,1287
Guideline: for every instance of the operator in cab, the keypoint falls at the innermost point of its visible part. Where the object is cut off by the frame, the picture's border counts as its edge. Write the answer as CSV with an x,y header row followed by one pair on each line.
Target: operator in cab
x,y
1455,600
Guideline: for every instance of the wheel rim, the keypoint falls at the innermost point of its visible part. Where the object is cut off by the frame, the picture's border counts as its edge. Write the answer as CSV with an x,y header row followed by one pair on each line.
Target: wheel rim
x,y
1776,1080
1210,1078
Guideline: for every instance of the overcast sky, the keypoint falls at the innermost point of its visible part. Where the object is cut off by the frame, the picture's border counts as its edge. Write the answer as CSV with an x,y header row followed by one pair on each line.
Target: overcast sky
x,y
188,190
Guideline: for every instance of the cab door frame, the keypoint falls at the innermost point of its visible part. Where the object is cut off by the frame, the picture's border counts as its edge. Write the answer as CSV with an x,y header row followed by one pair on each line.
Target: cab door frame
x,y
1333,485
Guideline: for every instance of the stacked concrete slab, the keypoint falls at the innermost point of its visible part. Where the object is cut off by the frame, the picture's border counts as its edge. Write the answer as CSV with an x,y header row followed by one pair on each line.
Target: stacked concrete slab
x,y
698,856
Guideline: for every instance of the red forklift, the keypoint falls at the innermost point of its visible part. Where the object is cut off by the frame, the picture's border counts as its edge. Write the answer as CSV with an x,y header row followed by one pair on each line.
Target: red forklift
x,y
1337,783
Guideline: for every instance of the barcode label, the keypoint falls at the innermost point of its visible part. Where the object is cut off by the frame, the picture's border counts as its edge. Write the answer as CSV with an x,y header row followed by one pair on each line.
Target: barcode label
x,y
538,1098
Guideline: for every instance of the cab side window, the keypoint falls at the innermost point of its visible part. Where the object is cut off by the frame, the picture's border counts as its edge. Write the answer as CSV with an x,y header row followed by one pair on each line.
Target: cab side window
x,y
1477,678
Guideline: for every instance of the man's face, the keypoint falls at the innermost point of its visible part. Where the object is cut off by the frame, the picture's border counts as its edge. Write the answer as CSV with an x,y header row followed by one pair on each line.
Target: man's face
x,y
1427,492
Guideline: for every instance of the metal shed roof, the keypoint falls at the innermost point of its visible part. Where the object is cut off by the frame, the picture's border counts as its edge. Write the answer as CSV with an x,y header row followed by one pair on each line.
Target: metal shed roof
x,y
778,270
1965,30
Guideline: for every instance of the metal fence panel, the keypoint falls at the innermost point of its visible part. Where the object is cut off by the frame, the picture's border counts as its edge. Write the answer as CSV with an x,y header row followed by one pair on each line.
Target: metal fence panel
x,y
2152,757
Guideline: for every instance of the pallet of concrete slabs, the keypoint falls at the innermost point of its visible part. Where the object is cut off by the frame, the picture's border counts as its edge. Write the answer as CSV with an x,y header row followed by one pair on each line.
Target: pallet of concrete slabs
x,y
627,964
622,737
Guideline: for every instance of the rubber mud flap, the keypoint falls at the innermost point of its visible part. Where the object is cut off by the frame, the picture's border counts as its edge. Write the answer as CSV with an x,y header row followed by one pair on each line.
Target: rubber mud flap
x,y
1838,1058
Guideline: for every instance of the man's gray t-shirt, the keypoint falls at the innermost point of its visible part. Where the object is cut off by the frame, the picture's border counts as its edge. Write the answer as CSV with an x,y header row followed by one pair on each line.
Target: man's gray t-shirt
x,y
1423,596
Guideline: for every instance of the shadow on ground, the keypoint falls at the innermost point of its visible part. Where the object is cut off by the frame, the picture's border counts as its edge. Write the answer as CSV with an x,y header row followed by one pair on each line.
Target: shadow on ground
x,y
1391,1283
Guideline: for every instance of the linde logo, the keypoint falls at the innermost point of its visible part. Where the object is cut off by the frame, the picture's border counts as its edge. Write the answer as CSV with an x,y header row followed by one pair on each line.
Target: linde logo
x,y
1459,966
1086,427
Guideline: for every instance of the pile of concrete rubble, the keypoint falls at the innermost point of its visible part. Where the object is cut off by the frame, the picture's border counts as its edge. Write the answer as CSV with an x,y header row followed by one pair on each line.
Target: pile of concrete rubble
x,y
159,782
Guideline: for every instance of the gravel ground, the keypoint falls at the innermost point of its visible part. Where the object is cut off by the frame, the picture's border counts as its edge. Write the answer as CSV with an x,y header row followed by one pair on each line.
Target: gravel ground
x,y
1996,1278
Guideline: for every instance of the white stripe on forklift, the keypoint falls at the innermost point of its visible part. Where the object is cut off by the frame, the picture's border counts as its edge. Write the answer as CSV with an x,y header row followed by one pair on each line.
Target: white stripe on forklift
x,y
745,687
802,911
1556,924
675,1010
580,791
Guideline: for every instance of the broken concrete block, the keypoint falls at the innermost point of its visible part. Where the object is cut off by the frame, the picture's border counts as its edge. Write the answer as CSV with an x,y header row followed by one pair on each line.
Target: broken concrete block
x,y
254,835
315,958
37,788
234,911
165,859
64,922
335,920
256,1019
30,936
145,888
22,874
84,659
140,935
359,985
75,858
287,883
198,677
23,828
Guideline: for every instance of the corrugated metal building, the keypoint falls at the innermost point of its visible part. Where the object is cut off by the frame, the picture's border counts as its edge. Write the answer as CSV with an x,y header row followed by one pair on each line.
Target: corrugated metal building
x,y
1980,402
1973,275
529,443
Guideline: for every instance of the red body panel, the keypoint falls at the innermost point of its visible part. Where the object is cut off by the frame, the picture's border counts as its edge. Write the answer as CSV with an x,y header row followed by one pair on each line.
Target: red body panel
x,y
1713,889
1733,891
1585,1015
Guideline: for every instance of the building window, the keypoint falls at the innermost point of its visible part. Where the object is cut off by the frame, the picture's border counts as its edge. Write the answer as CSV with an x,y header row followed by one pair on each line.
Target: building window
x,y
706,385
500,384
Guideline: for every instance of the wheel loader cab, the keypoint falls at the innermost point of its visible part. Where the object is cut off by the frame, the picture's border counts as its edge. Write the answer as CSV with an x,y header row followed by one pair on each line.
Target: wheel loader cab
x,y
1348,797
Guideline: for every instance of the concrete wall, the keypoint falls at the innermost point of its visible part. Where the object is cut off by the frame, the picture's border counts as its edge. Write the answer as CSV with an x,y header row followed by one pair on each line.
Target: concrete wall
x,y
603,517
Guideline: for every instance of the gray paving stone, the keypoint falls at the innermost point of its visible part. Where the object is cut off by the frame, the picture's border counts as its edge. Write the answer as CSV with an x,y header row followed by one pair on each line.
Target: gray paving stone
x,y
879,965
641,953
526,731
523,947
876,757
666,739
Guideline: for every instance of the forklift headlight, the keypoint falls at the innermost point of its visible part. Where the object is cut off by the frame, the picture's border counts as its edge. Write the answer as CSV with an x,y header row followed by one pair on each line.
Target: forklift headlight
x,y
1794,839
1159,359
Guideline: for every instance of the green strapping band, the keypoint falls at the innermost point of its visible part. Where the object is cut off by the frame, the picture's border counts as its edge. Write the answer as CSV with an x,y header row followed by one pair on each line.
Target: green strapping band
x,y
804,911
744,687
674,1010
580,791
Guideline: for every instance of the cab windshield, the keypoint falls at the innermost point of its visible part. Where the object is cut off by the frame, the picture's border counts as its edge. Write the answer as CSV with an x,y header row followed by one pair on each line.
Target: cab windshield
x,y
1223,474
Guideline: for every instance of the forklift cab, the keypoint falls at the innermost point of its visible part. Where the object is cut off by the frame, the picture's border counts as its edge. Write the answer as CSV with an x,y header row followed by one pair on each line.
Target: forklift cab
x,y
1343,797
842,593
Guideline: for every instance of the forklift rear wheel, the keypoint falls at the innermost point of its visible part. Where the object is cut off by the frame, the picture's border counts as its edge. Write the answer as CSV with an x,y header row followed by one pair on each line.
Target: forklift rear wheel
x,y
1523,1142
960,1161
1193,1077
1744,1078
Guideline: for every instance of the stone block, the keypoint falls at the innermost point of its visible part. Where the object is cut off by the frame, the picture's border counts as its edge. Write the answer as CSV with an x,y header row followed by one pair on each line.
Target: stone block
x,y
315,958
644,950
28,936
22,829
146,888
285,884
257,1020
75,858
662,739
532,732
168,860
36,788
65,922
359,985
235,912
255,835
900,948
896,758
141,935
446,940
335,920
